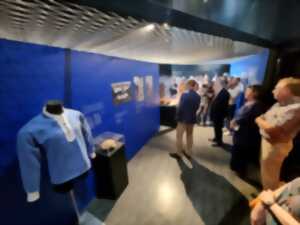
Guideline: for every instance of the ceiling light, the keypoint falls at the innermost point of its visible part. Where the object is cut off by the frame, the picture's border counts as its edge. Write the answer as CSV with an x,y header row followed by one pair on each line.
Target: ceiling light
x,y
166,26
150,27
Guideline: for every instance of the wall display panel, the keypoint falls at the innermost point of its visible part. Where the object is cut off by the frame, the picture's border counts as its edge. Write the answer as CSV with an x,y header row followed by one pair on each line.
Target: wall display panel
x,y
121,92
149,86
139,91
92,77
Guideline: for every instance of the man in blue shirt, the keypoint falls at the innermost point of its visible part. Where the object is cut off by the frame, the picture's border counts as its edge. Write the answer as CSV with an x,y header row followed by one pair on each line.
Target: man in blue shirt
x,y
186,117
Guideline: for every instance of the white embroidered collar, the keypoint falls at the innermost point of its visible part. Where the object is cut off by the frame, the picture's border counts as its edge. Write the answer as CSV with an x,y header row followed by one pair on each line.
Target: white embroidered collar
x,y
63,122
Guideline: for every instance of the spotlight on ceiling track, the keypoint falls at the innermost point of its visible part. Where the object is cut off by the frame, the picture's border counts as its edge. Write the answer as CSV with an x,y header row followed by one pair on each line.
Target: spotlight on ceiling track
x,y
149,27
205,1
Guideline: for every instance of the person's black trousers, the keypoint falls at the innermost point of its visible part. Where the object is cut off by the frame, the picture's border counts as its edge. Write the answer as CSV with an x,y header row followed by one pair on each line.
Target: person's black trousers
x,y
239,159
290,169
242,155
230,116
231,111
218,125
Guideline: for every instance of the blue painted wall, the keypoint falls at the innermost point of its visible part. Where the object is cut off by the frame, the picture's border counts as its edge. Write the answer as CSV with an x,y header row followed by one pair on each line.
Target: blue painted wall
x,y
251,68
92,76
32,74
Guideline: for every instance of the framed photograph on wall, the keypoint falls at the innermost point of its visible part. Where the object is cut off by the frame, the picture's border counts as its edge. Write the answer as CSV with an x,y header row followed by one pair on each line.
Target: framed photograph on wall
x,y
149,85
121,92
138,83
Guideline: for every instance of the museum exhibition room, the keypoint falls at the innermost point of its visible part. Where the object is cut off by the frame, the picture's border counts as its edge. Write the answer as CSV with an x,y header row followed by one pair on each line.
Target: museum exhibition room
x,y
149,112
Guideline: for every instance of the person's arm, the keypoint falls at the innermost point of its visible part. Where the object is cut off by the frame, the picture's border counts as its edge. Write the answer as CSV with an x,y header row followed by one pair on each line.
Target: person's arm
x,y
233,124
276,194
258,213
284,132
88,137
181,102
29,159
284,217
246,115
180,105
278,134
261,123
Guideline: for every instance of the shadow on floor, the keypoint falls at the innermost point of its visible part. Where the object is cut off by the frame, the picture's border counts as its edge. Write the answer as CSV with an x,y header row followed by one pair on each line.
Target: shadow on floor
x,y
226,147
89,219
216,201
100,208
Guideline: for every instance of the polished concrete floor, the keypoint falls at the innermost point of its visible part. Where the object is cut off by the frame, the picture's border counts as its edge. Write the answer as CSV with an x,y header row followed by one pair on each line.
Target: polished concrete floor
x,y
163,190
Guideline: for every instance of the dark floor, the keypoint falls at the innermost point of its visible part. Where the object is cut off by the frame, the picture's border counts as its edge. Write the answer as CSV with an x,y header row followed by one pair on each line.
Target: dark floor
x,y
163,190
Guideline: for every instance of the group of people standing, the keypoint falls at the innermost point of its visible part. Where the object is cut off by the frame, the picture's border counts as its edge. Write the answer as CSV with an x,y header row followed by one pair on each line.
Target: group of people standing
x,y
260,136
213,103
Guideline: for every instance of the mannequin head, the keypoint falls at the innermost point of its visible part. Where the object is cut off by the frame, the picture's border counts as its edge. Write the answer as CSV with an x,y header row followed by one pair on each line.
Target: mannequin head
x,y
54,107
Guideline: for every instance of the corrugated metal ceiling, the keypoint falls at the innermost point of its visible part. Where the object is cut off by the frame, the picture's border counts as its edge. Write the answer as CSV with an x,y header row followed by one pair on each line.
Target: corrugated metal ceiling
x,y
83,28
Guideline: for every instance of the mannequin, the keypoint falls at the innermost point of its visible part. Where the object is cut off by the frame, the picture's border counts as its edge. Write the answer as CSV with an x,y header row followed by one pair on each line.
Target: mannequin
x,y
53,107
64,135
56,107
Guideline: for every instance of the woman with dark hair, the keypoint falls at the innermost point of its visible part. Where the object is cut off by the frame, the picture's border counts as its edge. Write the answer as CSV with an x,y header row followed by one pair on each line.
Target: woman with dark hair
x,y
246,137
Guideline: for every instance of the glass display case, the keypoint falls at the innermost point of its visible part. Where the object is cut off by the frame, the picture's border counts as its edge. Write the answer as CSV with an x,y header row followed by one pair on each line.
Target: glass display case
x,y
110,165
108,143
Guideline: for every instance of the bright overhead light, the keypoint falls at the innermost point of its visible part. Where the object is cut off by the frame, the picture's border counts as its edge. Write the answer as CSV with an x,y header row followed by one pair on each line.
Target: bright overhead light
x,y
150,27
166,26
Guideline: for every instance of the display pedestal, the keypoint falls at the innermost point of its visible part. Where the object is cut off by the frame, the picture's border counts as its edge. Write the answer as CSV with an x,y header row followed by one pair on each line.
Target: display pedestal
x,y
168,116
111,177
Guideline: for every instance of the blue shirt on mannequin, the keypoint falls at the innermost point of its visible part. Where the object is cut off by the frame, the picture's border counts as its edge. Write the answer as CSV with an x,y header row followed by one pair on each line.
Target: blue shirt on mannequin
x,y
67,150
